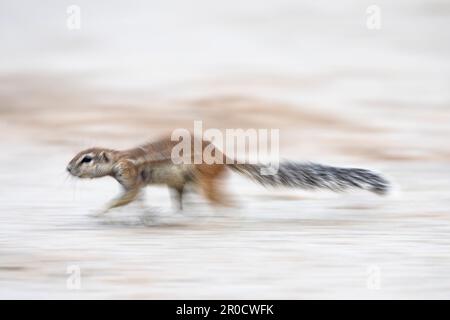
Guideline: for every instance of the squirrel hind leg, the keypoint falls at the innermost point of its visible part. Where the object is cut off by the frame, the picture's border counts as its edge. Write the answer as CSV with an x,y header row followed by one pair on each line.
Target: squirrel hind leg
x,y
213,191
177,195
208,179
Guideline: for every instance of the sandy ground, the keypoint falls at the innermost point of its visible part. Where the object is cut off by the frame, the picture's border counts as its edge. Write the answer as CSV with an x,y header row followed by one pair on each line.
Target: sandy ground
x,y
339,94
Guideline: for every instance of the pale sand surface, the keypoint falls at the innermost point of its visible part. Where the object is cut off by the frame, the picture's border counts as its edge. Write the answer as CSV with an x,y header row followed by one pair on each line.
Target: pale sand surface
x,y
340,95
276,244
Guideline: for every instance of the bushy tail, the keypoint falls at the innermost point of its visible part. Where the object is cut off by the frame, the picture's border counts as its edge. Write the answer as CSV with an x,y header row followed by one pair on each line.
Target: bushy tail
x,y
315,176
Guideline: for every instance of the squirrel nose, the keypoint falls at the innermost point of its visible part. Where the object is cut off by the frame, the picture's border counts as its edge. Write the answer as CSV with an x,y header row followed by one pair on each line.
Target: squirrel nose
x,y
69,168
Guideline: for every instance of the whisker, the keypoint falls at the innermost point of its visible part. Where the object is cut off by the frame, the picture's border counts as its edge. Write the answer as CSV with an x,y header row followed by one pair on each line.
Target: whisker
x,y
74,190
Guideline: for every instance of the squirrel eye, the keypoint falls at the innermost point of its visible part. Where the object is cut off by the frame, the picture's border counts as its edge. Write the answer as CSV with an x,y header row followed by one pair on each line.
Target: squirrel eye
x,y
86,159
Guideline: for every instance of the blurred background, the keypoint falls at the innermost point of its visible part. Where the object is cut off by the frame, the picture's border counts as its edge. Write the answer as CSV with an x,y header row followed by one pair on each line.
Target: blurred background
x,y
341,89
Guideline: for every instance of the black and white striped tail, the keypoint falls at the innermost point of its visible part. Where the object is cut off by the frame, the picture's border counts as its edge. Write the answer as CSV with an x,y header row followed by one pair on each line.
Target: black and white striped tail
x,y
316,176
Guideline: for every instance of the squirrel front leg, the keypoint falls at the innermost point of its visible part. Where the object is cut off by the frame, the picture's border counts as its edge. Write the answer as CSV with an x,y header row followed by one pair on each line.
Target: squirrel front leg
x,y
125,198
126,174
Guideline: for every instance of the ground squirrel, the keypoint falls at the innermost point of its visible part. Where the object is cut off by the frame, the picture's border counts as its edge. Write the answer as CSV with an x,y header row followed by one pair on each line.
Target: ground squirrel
x,y
152,164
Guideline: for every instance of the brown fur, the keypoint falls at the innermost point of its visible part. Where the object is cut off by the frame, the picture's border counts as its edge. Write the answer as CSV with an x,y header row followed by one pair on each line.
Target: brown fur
x,y
150,164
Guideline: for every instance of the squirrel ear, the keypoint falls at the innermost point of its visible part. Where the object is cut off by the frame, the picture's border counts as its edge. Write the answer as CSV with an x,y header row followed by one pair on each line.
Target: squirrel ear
x,y
104,156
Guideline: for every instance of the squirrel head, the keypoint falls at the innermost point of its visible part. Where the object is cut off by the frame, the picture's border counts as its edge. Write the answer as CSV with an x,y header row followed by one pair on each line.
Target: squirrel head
x,y
92,163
